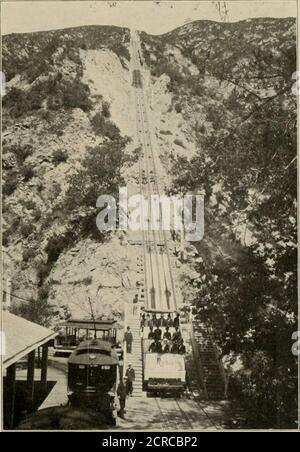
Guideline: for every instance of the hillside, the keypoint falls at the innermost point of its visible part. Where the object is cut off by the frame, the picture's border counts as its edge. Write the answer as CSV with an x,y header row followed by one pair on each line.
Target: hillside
x,y
64,114
227,129
224,125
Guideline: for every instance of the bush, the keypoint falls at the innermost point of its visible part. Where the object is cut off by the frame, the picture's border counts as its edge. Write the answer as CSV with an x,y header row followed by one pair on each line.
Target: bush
x,y
20,102
57,244
100,173
104,127
29,204
37,311
43,271
28,254
59,156
106,110
27,229
10,184
178,107
21,152
37,214
27,173
76,95
5,238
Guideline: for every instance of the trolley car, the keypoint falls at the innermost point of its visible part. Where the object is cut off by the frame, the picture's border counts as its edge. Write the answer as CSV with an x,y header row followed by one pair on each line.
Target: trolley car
x,y
74,331
92,377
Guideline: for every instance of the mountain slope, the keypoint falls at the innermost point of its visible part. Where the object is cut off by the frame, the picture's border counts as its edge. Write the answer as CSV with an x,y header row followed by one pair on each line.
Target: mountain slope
x,y
66,110
228,123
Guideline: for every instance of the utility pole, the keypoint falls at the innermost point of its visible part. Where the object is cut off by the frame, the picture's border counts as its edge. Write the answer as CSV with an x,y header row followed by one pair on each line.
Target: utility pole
x,y
93,318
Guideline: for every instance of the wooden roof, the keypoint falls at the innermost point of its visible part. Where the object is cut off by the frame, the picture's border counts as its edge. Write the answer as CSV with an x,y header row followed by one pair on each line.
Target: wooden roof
x,y
21,337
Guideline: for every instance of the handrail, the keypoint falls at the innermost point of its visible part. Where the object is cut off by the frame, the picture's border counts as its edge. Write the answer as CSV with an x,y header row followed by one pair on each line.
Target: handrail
x,y
209,332
197,358
220,362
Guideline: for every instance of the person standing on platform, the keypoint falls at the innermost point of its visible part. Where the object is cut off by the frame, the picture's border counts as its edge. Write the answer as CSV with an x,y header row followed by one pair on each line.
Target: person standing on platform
x,y
135,304
177,335
128,338
164,320
157,334
151,334
149,321
167,334
176,320
169,320
130,375
121,392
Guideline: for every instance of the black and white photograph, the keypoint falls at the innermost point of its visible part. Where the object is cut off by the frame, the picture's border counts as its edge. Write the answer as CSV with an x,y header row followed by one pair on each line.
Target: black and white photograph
x,y
149,217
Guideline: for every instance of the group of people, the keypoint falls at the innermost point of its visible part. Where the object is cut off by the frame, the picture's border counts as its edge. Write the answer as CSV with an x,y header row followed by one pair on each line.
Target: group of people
x,y
156,321
162,343
166,343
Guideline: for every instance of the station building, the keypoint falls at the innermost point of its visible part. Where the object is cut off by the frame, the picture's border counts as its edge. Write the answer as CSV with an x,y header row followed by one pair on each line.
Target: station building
x,y
24,348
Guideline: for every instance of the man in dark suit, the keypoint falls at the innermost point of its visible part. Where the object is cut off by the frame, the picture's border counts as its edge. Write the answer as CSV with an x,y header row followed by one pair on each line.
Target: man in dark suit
x,y
128,338
130,375
167,334
157,334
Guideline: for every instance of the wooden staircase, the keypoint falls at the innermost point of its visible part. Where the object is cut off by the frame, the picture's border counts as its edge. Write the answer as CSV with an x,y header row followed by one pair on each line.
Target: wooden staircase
x,y
211,372
132,319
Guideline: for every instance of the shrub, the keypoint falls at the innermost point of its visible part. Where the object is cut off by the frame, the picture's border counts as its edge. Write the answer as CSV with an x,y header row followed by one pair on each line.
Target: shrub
x,y
59,156
57,244
76,95
106,110
104,127
28,254
37,214
10,184
21,152
43,271
201,129
20,102
178,107
37,311
5,238
27,173
27,229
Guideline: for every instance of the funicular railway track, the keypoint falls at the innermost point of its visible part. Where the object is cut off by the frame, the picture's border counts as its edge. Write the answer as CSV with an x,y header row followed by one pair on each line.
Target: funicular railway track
x,y
159,283
160,295
172,415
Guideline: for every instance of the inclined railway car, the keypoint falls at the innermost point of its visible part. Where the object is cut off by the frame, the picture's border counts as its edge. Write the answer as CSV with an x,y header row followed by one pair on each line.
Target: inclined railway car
x,y
92,377
164,373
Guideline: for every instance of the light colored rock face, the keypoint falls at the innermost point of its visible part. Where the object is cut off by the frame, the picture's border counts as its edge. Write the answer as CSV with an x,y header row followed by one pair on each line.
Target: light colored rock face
x,y
169,127
106,76
105,273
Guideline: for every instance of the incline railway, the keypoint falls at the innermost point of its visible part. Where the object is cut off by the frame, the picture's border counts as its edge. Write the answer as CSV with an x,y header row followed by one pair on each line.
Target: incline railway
x,y
160,294
159,283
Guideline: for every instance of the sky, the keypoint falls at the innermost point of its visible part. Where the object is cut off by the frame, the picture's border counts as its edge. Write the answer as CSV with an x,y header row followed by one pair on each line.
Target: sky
x,y
150,16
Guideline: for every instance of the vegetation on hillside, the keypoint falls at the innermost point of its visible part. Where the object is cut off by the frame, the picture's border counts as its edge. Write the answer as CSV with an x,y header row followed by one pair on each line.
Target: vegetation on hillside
x,y
37,54
246,165
46,106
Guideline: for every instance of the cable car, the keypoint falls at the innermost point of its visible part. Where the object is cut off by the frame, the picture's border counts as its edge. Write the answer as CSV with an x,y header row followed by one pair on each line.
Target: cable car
x,y
92,377
74,331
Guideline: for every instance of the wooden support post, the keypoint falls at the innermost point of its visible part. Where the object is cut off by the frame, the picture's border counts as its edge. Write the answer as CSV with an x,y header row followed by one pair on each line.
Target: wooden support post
x,y
30,376
44,367
11,394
